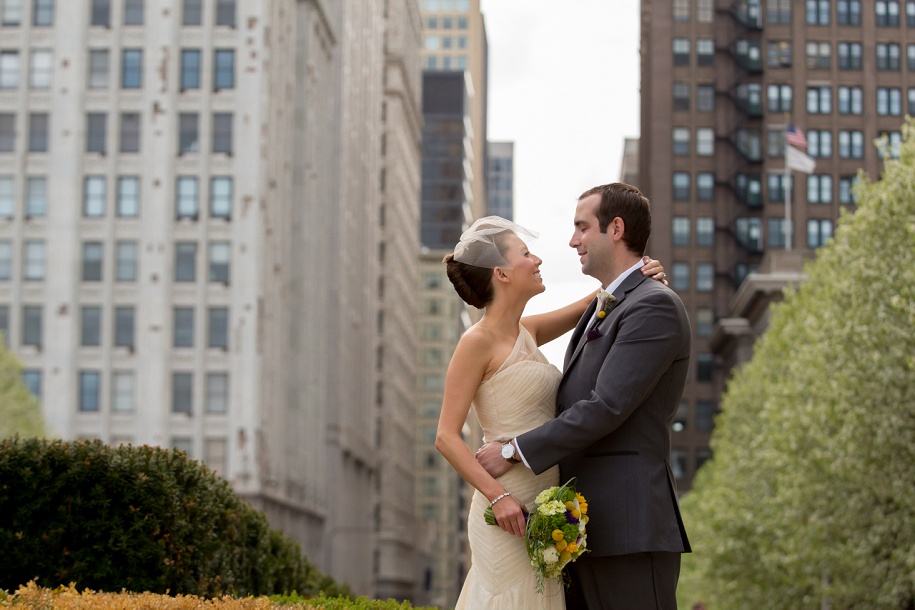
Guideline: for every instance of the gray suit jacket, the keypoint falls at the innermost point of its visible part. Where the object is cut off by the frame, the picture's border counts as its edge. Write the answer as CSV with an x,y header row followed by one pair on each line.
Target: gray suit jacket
x,y
616,401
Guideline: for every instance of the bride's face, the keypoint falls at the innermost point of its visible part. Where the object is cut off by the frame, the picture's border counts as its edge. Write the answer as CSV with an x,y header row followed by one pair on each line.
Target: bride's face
x,y
524,269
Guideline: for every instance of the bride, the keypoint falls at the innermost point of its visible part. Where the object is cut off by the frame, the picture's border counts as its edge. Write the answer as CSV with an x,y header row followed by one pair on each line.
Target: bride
x,y
497,368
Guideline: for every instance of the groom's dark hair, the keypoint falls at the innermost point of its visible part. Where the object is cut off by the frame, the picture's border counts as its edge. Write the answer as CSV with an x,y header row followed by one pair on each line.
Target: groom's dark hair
x,y
627,202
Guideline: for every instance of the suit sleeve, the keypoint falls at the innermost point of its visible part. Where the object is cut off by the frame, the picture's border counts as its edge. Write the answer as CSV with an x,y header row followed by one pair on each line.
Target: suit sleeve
x,y
649,337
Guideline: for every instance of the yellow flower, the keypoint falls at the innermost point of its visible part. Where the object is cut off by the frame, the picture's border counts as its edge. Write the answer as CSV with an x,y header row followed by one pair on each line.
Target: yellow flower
x,y
572,548
576,513
561,545
583,507
601,314
557,535
570,505
580,498
565,555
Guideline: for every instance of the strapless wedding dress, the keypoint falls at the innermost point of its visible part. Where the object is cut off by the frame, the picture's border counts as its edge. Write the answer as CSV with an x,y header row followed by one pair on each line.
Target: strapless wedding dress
x,y
520,396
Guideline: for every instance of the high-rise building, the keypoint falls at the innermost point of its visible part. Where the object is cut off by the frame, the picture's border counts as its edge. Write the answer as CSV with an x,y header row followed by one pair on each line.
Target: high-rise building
x,y
721,84
500,180
629,166
208,211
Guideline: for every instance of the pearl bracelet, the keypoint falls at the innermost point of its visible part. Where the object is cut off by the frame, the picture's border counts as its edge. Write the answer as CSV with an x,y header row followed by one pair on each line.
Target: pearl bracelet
x,y
497,498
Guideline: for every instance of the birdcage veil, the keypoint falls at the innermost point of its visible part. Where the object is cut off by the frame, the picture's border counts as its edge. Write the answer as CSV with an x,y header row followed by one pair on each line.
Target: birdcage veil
x,y
479,245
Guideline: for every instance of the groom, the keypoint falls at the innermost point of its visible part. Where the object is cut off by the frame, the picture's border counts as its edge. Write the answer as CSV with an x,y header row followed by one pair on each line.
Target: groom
x,y
624,376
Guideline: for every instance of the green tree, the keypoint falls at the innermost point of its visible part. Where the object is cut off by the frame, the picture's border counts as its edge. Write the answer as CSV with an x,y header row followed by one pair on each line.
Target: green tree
x,y
20,411
810,495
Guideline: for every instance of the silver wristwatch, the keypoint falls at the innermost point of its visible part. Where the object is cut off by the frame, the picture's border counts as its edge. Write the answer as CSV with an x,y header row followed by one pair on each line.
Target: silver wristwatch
x,y
509,452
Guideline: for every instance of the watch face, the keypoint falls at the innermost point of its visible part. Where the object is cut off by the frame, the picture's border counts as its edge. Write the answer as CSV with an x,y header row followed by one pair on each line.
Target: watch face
x,y
508,451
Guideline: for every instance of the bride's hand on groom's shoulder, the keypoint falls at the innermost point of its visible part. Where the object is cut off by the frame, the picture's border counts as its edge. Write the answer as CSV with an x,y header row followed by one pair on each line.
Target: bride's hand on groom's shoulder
x,y
490,458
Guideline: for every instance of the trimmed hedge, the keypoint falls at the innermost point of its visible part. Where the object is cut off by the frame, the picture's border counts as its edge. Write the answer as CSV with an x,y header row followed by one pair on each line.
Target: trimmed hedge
x,y
143,519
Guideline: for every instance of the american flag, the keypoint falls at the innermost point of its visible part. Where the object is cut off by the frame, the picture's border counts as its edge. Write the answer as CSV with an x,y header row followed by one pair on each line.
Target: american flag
x,y
795,137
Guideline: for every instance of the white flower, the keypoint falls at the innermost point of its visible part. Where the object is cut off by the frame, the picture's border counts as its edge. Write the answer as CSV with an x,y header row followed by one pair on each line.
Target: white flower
x,y
550,555
553,507
546,495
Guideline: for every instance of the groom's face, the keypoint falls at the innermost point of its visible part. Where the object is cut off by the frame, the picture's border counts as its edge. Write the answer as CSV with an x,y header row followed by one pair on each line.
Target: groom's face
x,y
594,248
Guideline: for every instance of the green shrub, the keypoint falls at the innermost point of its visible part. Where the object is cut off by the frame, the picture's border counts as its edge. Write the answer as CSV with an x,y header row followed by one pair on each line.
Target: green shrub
x,y
137,518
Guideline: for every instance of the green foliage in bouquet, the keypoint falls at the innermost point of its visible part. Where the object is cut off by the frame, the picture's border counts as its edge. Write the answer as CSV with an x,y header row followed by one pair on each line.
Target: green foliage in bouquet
x,y
137,518
809,499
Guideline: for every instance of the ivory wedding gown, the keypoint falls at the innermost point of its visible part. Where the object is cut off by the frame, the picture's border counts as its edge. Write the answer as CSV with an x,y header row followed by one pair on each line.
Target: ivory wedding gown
x,y
520,396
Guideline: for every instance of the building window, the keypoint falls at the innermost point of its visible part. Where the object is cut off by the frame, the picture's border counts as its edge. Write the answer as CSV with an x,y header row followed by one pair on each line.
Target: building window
x,y
818,12
217,400
38,132
681,140
887,12
779,98
778,54
186,201
778,11
7,196
130,132
848,12
819,188
132,69
89,382
748,234
705,416
705,321
851,100
681,96
681,10
910,57
819,100
681,51
98,68
748,143
125,265
889,101
910,14
183,332
32,380
705,186
90,326
221,197
123,326
36,197
776,187
705,367
222,132
851,144
101,13
96,132
219,262
133,12
224,69
215,454
94,196
705,141
122,391
7,132
911,109
9,69
818,232
34,260
42,69
31,325
705,98
680,276
705,11
182,392
190,69
819,55
819,143
11,12
849,55
679,463
893,142
681,230
776,232
218,327
185,261
93,253
846,183
128,196
188,133
888,57
184,444
705,52
705,231
192,12
225,13
681,186
6,260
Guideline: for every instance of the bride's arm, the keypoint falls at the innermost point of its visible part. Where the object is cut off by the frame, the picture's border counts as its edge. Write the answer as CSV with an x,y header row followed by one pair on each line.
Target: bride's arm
x,y
547,326
465,373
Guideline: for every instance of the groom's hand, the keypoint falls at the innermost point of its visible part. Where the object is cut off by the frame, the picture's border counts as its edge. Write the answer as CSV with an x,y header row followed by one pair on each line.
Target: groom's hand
x,y
490,458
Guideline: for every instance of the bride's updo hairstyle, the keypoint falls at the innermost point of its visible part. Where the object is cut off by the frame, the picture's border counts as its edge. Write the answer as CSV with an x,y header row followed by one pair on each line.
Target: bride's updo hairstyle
x,y
481,248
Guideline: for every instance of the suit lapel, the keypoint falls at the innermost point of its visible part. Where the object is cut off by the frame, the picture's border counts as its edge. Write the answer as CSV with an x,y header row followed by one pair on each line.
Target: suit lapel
x,y
578,336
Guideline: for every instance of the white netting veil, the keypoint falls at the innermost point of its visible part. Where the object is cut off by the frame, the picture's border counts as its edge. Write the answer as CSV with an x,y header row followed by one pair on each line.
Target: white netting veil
x,y
480,244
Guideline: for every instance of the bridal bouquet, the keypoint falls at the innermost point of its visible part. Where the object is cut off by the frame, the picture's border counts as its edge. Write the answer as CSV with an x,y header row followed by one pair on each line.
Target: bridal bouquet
x,y
556,533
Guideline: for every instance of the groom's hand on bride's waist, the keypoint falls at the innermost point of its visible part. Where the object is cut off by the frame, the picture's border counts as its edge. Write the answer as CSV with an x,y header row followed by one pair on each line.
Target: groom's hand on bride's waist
x,y
490,458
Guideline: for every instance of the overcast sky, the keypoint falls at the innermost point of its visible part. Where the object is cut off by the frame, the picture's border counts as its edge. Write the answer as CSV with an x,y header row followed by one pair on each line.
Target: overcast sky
x,y
564,87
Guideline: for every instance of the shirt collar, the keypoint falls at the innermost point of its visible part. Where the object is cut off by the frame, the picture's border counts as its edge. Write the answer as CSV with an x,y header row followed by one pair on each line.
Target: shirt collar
x,y
622,276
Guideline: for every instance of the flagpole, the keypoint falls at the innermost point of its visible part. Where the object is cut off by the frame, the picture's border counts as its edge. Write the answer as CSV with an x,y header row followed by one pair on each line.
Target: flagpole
x,y
789,232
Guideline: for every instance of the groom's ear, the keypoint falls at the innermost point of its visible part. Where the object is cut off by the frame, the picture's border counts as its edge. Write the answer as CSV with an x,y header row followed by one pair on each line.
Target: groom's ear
x,y
617,228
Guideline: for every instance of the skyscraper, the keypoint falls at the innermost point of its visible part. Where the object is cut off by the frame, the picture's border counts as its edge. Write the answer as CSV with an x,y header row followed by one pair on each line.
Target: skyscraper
x,y
500,180
209,209
721,86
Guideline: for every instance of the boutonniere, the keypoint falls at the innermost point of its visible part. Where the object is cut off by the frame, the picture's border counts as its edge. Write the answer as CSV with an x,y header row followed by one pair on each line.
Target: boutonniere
x,y
605,302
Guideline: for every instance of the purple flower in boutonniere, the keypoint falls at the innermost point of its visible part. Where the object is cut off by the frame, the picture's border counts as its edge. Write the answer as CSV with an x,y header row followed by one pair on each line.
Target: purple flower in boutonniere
x,y
594,333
